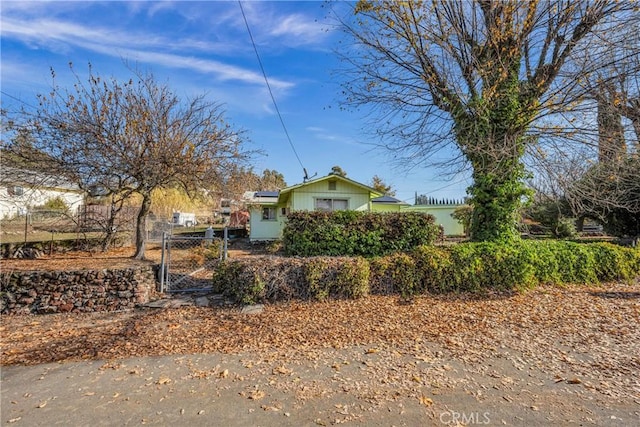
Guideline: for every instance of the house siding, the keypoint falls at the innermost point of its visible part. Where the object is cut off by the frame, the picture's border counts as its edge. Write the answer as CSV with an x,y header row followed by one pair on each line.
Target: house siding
x,y
383,207
442,215
265,229
12,205
303,199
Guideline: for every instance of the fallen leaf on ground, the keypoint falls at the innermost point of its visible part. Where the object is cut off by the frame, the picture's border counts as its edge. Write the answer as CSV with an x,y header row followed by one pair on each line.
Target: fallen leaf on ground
x,y
256,395
426,401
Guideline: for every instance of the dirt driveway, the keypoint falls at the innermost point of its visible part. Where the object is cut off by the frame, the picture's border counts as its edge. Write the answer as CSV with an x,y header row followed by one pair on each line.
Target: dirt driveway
x,y
553,356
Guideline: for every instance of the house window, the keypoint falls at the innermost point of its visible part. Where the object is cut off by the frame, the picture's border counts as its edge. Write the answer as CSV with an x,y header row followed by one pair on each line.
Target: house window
x,y
332,185
268,214
329,205
284,211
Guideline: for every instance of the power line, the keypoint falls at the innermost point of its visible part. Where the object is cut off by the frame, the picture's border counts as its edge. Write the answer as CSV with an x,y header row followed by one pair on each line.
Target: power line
x,y
270,91
17,99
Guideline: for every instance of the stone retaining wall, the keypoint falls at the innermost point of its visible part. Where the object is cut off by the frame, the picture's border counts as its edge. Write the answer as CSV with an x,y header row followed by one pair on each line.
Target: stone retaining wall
x,y
43,292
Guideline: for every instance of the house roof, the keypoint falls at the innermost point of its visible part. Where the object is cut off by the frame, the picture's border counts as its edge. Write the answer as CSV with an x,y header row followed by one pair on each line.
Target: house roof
x,y
16,176
261,197
266,193
388,200
267,197
330,177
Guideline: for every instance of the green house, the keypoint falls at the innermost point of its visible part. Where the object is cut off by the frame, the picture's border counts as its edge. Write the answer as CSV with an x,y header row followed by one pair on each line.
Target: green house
x,y
442,214
269,209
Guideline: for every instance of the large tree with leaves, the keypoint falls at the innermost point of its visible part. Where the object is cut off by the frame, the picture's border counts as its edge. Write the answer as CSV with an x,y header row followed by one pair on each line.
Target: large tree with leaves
x,y
131,137
473,75
378,184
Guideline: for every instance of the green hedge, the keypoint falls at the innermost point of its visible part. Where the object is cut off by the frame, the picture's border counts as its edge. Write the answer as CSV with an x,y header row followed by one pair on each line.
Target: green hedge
x,y
271,278
352,233
473,267
526,264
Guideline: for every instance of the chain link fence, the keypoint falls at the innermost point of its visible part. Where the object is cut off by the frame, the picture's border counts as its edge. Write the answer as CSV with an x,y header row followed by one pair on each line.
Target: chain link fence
x,y
187,262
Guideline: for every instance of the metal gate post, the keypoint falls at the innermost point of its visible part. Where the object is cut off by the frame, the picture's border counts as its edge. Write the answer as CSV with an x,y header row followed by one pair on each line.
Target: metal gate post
x,y
162,267
226,239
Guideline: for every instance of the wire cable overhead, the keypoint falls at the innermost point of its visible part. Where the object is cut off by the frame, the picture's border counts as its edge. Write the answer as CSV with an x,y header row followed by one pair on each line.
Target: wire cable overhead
x,y
273,99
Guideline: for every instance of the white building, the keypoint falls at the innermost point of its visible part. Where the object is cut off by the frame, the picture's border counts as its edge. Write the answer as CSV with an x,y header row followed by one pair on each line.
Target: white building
x,y
22,190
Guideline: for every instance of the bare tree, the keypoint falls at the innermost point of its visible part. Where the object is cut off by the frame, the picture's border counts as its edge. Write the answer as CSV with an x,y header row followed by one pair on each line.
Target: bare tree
x,y
610,192
132,137
602,181
472,75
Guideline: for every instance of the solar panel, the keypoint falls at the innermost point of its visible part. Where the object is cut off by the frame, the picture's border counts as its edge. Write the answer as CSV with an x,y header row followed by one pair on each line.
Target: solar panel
x,y
266,194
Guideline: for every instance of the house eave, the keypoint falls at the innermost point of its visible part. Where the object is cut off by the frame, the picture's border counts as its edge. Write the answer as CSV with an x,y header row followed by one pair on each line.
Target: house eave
x,y
284,193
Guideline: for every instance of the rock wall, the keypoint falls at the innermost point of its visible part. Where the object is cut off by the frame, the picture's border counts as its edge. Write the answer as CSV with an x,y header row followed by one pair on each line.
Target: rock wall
x,y
43,292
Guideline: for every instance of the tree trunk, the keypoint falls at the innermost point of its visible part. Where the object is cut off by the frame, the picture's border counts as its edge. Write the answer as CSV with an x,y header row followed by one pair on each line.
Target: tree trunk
x,y
493,140
110,228
109,233
496,197
141,226
490,131
611,143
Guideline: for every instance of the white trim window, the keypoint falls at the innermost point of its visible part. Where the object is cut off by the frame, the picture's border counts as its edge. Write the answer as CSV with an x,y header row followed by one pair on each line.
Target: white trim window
x,y
330,205
269,214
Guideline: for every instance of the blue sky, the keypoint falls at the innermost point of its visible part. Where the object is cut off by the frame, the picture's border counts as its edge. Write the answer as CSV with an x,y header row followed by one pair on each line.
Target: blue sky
x,y
204,47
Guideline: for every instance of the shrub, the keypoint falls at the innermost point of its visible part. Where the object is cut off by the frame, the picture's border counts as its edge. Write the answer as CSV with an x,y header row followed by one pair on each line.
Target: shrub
x,y
261,279
576,264
465,267
571,262
319,277
351,233
543,259
396,273
468,268
352,278
225,277
506,266
615,263
55,204
380,283
205,253
435,267
566,228
337,277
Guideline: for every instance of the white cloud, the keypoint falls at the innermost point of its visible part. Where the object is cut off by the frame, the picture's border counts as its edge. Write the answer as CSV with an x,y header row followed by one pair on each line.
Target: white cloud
x,y
300,28
45,31
323,134
289,29
138,47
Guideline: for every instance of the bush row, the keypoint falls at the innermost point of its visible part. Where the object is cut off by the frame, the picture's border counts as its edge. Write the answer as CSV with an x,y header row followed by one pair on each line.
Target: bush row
x,y
461,268
352,233
272,278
